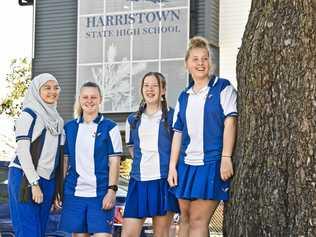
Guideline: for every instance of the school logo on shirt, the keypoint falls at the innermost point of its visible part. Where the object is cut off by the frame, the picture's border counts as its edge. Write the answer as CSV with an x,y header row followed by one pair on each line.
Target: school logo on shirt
x,y
225,189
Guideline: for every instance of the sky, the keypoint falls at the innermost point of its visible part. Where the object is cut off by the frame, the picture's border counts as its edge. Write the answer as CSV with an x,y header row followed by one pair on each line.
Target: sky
x,y
16,36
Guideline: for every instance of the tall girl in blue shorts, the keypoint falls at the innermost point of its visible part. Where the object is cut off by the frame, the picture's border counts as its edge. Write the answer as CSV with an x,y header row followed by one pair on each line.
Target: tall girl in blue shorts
x,y
33,172
203,142
93,146
148,135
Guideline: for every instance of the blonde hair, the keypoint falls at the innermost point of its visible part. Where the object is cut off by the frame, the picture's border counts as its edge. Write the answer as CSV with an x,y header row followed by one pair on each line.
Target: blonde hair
x,y
77,107
201,43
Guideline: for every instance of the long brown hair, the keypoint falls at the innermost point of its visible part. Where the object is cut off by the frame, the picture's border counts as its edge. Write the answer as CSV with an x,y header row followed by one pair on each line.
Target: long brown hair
x,y
164,106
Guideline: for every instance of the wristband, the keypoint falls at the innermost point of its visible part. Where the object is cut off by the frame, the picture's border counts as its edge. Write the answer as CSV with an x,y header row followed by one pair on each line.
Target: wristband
x,y
35,183
113,187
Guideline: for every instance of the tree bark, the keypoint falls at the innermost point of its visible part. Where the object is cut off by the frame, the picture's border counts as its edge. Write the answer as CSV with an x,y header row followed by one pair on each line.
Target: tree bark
x,y
274,189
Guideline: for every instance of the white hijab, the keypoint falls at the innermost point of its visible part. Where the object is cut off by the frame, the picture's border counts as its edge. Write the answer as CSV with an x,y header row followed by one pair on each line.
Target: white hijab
x,y
47,112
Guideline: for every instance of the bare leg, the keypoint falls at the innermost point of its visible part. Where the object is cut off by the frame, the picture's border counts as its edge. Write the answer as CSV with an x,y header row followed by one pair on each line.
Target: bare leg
x,y
201,212
184,217
80,235
162,225
132,227
102,235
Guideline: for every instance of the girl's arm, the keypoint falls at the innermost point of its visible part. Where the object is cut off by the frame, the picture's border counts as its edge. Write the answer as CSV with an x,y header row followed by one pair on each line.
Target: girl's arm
x,y
175,151
229,138
58,200
65,166
114,171
24,134
131,151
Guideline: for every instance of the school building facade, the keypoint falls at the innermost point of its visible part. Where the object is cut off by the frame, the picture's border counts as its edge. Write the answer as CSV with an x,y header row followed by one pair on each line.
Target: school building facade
x,y
115,42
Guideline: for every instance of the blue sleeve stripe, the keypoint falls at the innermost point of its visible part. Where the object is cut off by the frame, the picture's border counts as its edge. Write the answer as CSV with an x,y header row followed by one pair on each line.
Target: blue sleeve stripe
x,y
27,137
232,114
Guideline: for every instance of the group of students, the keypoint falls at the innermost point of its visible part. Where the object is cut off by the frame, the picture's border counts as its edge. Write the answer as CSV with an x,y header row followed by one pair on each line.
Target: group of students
x,y
181,157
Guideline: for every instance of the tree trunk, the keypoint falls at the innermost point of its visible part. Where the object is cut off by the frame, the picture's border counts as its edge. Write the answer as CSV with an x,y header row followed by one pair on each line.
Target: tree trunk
x,y
273,191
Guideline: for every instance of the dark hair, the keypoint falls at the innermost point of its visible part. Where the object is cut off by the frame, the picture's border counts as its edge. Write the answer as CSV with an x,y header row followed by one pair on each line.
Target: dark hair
x,y
164,106
77,108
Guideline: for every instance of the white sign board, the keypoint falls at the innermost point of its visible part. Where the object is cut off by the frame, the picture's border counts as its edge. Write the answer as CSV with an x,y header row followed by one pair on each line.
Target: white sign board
x,y
121,40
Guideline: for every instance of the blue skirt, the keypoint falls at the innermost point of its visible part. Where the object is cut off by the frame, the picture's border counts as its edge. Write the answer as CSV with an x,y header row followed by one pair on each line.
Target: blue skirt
x,y
201,182
149,199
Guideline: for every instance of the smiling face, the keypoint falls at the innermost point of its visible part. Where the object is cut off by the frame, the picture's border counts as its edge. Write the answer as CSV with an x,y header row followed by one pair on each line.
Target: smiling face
x,y
198,63
49,92
89,100
152,90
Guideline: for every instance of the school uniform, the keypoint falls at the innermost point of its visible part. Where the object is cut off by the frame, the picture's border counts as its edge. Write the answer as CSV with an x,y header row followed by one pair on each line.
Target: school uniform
x,y
200,118
88,147
148,191
37,158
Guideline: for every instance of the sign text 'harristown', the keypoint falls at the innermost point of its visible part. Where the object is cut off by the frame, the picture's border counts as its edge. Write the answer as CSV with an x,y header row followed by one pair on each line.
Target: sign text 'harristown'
x,y
133,18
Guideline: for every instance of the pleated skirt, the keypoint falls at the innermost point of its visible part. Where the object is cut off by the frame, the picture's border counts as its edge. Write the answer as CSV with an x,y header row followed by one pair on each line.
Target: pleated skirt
x,y
201,182
149,199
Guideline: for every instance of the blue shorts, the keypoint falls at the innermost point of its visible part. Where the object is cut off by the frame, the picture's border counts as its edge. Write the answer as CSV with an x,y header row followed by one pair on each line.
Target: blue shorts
x,y
85,215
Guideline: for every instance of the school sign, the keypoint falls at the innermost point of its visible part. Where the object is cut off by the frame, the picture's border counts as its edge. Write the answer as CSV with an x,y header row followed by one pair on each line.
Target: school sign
x,y
118,41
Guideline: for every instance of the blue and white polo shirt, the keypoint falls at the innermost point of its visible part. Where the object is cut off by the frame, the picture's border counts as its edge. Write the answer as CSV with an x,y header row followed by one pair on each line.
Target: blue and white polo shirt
x,y
200,118
89,146
29,127
151,142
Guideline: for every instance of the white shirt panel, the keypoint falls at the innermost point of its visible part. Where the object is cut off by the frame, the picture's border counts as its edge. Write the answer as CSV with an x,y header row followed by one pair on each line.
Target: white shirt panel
x,y
195,125
87,180
127,133
148,137
228,100
116,140
175,114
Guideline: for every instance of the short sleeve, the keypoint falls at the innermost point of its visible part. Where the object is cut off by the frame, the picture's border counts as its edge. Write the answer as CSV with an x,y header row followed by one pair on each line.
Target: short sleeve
x,y
228,98
24,127
115,144
177,124
128,133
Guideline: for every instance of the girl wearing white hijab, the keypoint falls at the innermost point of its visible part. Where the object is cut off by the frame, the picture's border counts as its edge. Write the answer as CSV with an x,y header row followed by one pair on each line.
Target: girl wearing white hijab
x,y
33,172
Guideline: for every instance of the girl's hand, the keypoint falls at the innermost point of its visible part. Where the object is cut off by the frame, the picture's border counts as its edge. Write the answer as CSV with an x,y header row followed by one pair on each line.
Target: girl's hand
x,y
109,200
226,168
57,202
37,194
173,177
